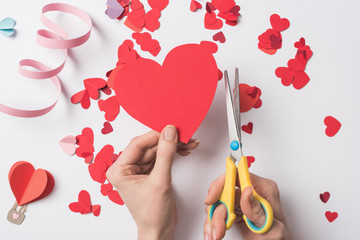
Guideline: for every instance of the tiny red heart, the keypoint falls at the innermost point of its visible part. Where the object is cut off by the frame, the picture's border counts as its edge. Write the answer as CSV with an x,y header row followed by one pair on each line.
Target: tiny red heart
x,y
278,23
211,22
195,5
93,85
136,17
83,205
285,74
324,197
235,10
219,37
106,188
248,128
107,128
115,197
152,19
331,216
96,210
81,97
111,108
97,171
332,126
250,160
210,7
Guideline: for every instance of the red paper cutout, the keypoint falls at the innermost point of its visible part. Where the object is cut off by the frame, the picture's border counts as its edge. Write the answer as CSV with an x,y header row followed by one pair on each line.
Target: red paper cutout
x,y
96,210
115,197
332,126
247,128
152,19
223,6
247,101
147,43
81,97
195,5
219,37
136,18
331,216
324,197
28,184
106,188
159,4
83,205
107,128
250,160
211,22
93,85
131,26
210,7
97,171
278,23
110,106
188,75
85,142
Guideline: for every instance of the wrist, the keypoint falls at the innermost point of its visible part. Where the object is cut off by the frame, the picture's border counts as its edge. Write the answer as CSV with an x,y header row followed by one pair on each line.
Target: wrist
x,y
155,234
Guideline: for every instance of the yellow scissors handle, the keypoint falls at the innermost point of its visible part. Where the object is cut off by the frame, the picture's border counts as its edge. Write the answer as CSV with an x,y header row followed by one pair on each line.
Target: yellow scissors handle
x,y
227,196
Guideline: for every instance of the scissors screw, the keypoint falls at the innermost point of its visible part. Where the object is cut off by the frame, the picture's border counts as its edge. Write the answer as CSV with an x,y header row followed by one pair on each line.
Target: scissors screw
x,y
234,145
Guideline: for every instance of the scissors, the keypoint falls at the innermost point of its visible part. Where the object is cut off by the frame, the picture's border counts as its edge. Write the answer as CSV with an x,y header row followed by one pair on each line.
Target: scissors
x,y
227,196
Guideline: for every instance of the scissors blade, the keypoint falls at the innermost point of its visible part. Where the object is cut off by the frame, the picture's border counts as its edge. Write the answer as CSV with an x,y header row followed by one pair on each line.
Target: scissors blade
x,y
234,134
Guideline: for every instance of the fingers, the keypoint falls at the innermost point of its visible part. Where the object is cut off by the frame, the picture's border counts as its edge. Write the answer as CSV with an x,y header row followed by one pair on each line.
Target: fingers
x,y
252,208
217,227
165,153
215,190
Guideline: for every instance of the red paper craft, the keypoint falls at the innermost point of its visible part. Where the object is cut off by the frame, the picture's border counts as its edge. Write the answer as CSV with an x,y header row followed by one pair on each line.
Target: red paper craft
x,y
152,19
97,171
223,6
210,7
247,99
131,26
93,85
84,206
247,128
211,22
106,188
324,197
147,43
219,37
107,128
85,142
136,17
331,216
250,160
182,89
28,184
332,126
195,5
271,39
110,106
159,4
96,210
115,197
81,97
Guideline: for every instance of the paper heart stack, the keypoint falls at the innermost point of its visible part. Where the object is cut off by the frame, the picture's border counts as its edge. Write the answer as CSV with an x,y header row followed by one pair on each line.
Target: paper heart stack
x,y
178,92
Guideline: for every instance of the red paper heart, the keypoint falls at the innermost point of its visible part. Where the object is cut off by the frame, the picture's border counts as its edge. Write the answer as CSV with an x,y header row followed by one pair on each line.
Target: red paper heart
x,y
115,197
331,216
93,85
152,19
211,22
136,4
300,79
223,6
107,128
83,205
210,7
246,101
28,184
250,160
136,17
126,54
279,24
285,74
228,16
96,210
219,37
97,171
106,188
181,93
332,126
105,155
235,10
296,65
247,128
111,108
159,4
324,197
195,5
81,97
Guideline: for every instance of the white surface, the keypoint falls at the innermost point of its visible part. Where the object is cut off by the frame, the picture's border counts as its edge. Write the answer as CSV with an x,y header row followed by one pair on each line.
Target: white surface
x,y
288,140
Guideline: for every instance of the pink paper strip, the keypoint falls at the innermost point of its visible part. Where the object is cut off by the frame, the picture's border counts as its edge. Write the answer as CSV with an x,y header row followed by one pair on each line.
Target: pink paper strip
x,y
57,38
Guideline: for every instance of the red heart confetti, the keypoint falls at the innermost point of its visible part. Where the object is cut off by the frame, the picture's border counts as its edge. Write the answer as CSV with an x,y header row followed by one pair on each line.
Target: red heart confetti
x,y
83,205
195,5
247,101
97,171
248,128
106,188
107,128
223,6
278,23
152,19
210,7
93,85
331,216
332,126
85,142
250,160
115,197
159,4
81,97
219,37
147,43
211,22
95,209
111,108
324,197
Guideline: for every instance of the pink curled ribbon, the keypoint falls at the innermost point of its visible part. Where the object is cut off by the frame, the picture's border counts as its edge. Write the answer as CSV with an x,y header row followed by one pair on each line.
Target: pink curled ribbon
x,y
57,38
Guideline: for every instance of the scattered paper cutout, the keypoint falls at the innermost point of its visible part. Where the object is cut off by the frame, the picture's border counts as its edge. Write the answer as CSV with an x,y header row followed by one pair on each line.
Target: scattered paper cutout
x,y
147,43
67,144
96,209
331,216
114,10
106,188
107,128
248,128
115,197
159,4
195,5
83,205
92,87
211,22
249,97
219,37
111,108
271,40
29,185
7,26
175,87
152,19
324,197
332,126
250,160
85,142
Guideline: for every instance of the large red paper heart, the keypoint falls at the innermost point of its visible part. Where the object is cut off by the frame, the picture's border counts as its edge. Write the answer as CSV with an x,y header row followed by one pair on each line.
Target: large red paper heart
x,y
179,92
331,216
28,184
332,126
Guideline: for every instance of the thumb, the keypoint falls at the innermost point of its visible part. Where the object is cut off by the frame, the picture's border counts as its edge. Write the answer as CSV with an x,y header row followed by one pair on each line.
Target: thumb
x,y
252,208
165,153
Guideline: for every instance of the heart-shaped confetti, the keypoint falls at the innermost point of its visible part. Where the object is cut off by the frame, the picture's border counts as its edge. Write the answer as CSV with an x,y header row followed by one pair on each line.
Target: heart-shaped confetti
x,y
93,85
83,205
114,9
152,19
219,37
278,23
95,209
248,128
7,26
159,4
250,160
324,197
106,188
115,197
195,5
331,216
81,97
211,22
107,128
332,126
67,144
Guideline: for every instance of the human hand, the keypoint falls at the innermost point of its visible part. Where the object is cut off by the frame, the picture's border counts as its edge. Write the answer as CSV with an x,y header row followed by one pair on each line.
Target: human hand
x,y
142,176
245,203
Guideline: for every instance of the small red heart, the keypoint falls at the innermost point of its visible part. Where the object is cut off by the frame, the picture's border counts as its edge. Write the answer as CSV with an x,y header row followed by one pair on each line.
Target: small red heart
x,y
85,145
93,85
332,126
228,16
195,5
107,128
296,65
248,128
300,79
258,104
223,6
136,17
331,216
88,157
146,42
96,210
105,155
285,74
126,54
252,91
279,24
159,4
106,188
275,41
111,108
324,197
81,97
97,171
246,101
210,7
211,22
115,197
235,10
250,160
136,5
152,19
219,37
83,205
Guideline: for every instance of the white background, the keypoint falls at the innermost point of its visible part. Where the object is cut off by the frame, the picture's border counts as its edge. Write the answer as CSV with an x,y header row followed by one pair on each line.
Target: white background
x,y
288,141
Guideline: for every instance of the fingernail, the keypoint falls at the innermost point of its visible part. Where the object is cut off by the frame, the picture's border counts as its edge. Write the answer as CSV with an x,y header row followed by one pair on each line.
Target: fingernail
x,y
214,234
170,133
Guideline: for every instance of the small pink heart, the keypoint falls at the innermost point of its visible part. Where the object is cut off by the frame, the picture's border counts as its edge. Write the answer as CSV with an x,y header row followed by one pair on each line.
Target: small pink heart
x,y
67,144
15,216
